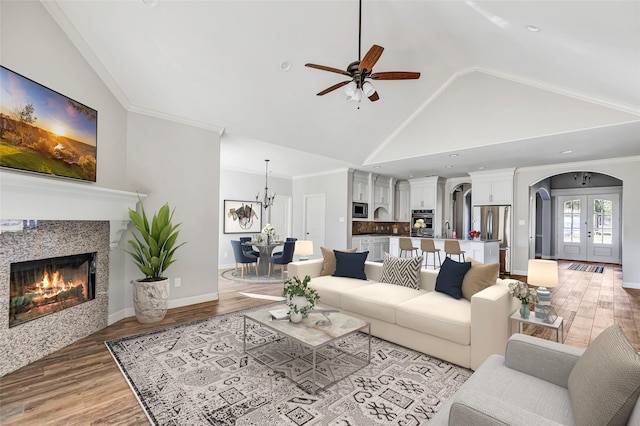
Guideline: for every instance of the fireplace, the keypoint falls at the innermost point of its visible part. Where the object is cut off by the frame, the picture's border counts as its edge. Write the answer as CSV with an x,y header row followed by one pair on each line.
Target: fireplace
x,y
44,286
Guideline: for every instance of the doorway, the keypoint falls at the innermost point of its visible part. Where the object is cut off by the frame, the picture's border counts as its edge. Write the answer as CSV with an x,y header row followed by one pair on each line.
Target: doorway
x,y
461,211
576,216
589,227
314,220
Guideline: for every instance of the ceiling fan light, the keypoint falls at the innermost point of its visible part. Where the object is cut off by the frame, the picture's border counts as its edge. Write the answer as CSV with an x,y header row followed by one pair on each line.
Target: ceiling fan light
x,y
356,97
368,89
350,89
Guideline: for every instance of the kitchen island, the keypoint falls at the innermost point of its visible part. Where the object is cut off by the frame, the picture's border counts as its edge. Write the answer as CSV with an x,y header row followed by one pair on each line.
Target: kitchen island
x,y
485,251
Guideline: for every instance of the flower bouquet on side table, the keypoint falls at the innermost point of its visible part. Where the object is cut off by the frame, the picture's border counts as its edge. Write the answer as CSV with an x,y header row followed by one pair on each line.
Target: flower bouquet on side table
x,y
474,235
525,294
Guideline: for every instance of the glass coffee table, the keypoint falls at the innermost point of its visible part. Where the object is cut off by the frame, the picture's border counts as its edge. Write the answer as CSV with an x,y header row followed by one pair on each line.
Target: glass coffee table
x,y
315,353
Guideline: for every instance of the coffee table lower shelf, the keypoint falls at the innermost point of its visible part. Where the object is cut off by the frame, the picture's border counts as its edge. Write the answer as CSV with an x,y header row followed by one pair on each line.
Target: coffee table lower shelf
x,y
311,367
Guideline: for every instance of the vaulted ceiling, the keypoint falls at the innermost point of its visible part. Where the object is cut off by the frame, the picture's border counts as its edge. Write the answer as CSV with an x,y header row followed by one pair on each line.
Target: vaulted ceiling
x,y
491,90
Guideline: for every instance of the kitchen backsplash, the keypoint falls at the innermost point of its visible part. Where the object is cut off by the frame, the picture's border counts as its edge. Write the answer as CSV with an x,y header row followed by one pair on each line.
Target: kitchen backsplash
x,y
382,228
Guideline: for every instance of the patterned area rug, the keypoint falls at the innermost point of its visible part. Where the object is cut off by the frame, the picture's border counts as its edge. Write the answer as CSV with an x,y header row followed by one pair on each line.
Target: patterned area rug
x,y
198,374
585,268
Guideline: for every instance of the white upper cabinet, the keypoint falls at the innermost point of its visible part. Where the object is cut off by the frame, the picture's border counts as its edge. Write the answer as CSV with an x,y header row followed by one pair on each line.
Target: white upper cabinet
x,y
493,187
402,208
360,187
424,193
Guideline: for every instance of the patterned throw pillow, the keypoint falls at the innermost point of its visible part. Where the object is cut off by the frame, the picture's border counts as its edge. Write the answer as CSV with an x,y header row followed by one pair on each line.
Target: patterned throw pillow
x,y
404,271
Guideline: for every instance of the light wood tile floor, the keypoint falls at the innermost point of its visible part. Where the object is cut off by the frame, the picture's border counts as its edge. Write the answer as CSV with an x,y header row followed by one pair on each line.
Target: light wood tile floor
x,y
81,385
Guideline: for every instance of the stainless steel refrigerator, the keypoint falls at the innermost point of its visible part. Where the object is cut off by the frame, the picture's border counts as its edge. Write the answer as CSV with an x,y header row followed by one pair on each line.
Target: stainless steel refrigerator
x,y
495,224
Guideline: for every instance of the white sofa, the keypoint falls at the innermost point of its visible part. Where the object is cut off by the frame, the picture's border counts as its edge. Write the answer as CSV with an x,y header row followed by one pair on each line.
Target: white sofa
x,y
459,331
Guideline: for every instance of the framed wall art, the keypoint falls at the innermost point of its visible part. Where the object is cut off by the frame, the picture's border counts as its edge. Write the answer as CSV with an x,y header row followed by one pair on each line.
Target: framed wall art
x,y
43,131
242,217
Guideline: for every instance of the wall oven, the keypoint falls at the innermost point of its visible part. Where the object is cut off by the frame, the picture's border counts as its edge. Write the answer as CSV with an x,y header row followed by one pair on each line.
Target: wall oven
x,y
427,219
360,210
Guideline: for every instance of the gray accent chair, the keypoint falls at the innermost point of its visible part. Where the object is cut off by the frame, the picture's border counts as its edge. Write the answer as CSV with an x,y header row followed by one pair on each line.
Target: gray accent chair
x,y
528,386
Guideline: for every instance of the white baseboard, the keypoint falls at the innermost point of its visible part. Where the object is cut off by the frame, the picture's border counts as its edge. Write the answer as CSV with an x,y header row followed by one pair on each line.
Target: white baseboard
x,y
176,303
630,285
517,272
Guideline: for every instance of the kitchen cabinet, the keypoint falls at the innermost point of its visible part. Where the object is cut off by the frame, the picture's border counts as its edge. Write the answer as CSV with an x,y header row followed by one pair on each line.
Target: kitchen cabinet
x,y
428,194
402,206
383,198
493,187
360,190
375,245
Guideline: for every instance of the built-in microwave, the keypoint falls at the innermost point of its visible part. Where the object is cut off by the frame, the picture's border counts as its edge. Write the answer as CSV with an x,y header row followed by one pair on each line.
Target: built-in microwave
x,y
360,210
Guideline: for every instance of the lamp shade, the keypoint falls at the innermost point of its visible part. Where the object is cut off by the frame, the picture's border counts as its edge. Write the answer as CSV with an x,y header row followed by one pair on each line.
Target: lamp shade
x,y
542,273
303,248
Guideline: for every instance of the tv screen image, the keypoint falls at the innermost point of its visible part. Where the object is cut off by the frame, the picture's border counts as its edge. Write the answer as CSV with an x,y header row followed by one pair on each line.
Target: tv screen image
x,y
44,131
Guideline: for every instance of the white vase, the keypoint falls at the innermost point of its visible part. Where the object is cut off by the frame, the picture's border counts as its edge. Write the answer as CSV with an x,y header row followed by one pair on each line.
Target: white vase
x,y
150,300
295,317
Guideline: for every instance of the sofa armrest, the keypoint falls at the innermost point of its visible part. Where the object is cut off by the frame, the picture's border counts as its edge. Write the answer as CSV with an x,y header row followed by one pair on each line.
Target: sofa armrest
x,y
546,360
471,407
490,312
303,268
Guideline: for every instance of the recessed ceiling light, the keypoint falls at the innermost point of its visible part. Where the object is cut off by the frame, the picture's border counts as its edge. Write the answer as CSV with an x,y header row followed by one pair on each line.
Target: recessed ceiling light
x,y
150,3
453,155
533,28
481,168
448,166
377,167
285,66
410,176
566,152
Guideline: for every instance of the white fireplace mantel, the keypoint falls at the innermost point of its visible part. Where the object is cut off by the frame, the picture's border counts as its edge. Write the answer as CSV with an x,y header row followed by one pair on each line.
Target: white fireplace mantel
x,y
24,196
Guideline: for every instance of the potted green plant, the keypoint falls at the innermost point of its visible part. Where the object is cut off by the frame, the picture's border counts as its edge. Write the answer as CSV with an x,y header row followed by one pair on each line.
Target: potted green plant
x,y
153,247
301,298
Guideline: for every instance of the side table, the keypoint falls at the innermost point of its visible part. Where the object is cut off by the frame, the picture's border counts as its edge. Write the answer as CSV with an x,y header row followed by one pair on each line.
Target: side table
x,y
557,325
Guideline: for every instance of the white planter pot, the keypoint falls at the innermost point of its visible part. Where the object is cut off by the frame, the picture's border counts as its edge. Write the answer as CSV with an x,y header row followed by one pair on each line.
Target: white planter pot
x,y
295,317
151,300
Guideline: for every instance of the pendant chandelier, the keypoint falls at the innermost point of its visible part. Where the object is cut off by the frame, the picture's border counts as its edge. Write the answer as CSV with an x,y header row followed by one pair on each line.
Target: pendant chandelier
x,y
267,199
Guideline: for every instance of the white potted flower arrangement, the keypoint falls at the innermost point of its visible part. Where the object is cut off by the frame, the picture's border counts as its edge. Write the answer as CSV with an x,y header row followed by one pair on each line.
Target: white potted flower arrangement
x,y
525,294
419,224
301,298
269,231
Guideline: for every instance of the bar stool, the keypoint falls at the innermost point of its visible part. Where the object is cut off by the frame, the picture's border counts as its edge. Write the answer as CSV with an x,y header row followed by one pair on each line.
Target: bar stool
x,y
452,247
407,245
428,246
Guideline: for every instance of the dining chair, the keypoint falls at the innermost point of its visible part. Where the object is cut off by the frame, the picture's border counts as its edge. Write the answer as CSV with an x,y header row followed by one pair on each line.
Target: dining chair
x,y
244,259
283,258
452,247
407,245
428,246
248,249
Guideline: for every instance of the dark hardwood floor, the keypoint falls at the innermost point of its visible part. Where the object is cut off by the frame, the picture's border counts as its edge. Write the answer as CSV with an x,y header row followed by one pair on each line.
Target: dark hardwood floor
x,y
81,384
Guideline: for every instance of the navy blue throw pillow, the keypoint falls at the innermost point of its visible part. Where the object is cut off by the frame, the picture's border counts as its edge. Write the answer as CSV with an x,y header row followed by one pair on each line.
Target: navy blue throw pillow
x,y
350,265
450,277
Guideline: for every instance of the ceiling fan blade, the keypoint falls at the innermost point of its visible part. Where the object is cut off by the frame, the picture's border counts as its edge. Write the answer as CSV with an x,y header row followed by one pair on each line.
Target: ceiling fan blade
x,y
395,75
334,87
330,69
374,97
371,58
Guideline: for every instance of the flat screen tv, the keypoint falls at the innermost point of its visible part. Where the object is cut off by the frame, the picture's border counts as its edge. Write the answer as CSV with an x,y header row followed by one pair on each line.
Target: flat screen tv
x,y
44,131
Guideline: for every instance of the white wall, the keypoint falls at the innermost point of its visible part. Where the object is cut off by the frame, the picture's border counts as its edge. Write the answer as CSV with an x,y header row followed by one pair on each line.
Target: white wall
x,y
335,186
178,164
241,186
32,44
626,169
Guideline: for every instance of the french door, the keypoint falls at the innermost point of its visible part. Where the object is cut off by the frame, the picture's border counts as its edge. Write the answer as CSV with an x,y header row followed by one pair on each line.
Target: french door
x,y
588,227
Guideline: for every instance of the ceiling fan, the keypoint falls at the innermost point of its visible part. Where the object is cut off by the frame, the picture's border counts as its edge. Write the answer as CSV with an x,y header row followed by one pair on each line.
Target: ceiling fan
x,y
361,71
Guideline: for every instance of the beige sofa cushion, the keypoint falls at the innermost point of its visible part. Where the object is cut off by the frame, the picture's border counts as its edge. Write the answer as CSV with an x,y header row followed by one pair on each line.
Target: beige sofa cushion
x,y
479,277
378,300
329,259
439,315
330,289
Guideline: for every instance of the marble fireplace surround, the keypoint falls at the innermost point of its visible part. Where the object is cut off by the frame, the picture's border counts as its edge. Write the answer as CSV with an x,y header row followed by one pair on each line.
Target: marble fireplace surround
x,y
73,217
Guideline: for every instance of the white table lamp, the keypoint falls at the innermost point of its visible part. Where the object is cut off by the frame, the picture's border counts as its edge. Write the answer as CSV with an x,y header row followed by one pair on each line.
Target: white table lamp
x,y
544,275
303,249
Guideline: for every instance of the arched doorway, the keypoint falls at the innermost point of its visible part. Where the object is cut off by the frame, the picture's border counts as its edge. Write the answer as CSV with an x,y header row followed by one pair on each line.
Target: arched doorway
x,y
576,216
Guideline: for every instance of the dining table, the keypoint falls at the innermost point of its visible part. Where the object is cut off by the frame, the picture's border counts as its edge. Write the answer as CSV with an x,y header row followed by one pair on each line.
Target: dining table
x,y
266,250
